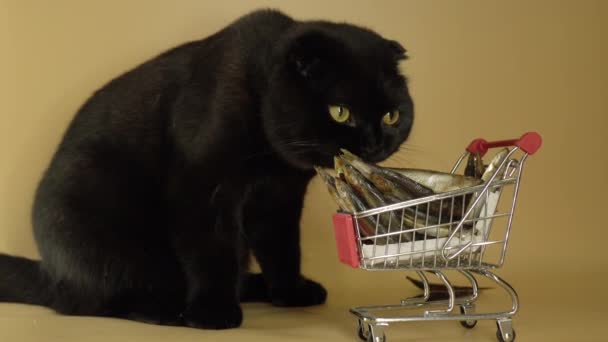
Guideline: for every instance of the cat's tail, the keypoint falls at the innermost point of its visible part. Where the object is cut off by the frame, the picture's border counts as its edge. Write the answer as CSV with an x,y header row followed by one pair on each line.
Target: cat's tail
x,y
23,281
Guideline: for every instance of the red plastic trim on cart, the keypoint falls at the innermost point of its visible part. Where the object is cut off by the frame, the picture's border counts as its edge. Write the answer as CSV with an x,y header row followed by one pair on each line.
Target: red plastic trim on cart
x,y
529,142
345,239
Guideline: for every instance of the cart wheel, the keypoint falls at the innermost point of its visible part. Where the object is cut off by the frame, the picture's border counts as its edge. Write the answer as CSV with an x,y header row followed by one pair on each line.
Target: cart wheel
x,y
362,330
469,324
507,337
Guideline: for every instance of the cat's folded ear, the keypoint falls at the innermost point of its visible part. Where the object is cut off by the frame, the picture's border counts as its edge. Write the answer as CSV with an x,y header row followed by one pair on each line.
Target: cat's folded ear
x,y
315,57
399,52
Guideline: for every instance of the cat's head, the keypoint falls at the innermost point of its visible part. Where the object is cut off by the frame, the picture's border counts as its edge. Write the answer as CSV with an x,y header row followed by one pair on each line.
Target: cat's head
x,y
336,86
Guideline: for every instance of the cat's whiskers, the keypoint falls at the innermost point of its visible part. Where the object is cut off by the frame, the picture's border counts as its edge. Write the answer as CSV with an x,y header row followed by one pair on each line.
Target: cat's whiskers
x,y
302,143
401,160
410,147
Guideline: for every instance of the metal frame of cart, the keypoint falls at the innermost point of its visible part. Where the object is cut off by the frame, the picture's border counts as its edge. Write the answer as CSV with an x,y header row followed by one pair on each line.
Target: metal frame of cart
x,y
470,243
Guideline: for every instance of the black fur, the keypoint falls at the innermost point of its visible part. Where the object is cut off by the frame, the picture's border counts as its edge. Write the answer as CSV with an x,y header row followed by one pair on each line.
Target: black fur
x,y
172,174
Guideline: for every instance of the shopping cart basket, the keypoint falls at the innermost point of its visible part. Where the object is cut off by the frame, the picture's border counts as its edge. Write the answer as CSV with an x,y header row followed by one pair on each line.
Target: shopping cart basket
x,y
471,240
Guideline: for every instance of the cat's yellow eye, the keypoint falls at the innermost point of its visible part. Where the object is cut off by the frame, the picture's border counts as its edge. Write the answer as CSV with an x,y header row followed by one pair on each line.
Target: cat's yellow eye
x,y
391,118
339,114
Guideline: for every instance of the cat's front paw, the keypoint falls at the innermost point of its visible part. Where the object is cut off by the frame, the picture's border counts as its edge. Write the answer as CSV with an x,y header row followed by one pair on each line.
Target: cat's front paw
x,y
215,316
305,293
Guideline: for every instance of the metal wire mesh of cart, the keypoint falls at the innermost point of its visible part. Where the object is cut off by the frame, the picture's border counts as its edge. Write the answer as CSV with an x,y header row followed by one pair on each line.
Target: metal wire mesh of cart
x,y
460,229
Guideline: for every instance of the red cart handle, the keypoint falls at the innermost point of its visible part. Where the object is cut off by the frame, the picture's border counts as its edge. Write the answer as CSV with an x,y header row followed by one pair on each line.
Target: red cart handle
x,y
529,142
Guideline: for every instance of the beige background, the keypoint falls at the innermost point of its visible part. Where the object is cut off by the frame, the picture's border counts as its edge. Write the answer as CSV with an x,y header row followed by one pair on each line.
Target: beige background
x,y
478,68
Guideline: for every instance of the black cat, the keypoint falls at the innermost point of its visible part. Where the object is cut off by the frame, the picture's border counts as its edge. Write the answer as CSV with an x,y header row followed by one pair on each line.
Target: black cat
x,y
172,174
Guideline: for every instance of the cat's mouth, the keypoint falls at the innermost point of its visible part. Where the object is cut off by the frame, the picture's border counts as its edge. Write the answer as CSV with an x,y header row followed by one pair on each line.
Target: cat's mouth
x,y
325,158
374,159
376,154
307,156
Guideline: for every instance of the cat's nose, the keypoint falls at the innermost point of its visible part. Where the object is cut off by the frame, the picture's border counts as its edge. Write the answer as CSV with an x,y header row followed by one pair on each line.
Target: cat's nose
x,y
371,142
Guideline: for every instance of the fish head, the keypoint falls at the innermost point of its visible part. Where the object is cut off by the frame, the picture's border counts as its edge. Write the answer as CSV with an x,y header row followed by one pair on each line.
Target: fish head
x,y
343,188
353,176
494,164
380,182
338,165
326,177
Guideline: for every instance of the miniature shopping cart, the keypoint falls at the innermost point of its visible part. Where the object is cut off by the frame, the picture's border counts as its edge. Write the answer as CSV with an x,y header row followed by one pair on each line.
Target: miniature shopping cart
x,y
469,243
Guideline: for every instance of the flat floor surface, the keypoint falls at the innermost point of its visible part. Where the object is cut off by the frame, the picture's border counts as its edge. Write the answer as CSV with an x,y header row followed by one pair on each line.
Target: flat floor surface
x,y
547,314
